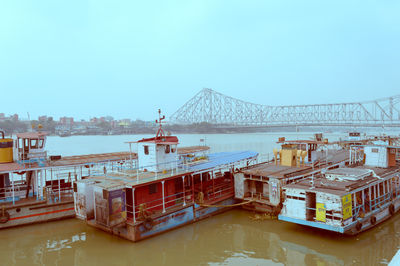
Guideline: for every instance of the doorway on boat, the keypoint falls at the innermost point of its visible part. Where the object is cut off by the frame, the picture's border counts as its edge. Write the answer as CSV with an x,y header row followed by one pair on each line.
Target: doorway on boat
x,y
310,206
4,183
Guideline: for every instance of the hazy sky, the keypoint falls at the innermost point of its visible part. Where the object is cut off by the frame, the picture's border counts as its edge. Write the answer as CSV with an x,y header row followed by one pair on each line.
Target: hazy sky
x,y
128,58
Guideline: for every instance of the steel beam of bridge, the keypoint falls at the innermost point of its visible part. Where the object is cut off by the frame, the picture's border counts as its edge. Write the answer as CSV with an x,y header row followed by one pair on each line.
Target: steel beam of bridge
x,y
216,108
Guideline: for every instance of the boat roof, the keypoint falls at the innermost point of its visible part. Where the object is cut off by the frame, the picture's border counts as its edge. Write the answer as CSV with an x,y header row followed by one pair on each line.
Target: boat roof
x,y
223,158
31,135
276,171
161,140
281,171
306,141
344,187
70,161
215,160
192,149
91,158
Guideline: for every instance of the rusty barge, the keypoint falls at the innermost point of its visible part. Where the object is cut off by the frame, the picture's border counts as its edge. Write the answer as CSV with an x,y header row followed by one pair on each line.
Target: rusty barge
x,y
351,199
164,192
35,187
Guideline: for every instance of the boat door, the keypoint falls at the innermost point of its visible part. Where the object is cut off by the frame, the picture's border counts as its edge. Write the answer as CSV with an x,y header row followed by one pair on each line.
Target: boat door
x,y
310,206
274,191
3,184
129,203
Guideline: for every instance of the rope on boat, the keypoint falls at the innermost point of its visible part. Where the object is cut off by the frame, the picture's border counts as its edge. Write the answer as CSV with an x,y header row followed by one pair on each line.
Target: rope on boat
x,y
231,205
201,203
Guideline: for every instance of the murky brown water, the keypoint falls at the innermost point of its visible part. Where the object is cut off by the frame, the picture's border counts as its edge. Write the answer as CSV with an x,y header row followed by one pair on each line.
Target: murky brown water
x,y
230,238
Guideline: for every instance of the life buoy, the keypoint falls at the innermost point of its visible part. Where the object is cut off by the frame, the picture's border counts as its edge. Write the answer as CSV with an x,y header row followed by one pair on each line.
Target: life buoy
x,y
148,223
391,209
373,220
5,217
358,226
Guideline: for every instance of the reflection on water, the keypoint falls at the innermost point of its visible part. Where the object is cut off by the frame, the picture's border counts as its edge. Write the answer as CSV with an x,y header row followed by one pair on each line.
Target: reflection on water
x,y
230,238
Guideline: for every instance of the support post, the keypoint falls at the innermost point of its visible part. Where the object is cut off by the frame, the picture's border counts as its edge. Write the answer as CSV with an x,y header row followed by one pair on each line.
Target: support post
x,y
192,178
363,202
130,154
59,189
184,196
213,188
133,205
13,190
163,195
37,184
369,196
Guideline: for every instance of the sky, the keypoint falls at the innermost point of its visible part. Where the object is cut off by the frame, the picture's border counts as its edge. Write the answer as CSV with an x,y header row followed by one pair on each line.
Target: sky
x,y
127,59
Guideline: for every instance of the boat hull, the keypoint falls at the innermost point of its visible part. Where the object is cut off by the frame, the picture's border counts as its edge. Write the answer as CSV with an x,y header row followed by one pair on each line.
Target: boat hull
x,y
356,227
38,212
165,222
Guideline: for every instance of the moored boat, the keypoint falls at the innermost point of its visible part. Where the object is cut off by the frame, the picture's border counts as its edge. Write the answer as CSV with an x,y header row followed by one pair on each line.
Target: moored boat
x,y
351,199
261,184
35,187
164,192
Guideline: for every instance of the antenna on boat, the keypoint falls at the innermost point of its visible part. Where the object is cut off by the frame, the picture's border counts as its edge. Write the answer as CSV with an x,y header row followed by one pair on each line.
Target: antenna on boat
x,y
160,132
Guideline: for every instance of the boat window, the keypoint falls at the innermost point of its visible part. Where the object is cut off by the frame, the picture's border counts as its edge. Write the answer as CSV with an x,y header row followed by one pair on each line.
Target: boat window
x,y
146,149
152,188
167,149
173,148
34,143
375,150
41,142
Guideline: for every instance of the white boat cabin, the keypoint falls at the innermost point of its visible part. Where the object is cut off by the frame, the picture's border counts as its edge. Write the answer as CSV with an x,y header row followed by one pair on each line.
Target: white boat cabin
x,y
30,146
158,154
349,199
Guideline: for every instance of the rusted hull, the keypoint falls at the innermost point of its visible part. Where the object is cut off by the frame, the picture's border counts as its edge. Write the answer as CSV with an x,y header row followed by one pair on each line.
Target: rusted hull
x,y
373,220
35,213
164,223
356,227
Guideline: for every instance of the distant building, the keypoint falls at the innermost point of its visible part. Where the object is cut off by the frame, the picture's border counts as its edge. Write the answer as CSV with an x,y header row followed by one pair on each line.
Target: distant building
x,y
15,117
2,116
67,121
124,122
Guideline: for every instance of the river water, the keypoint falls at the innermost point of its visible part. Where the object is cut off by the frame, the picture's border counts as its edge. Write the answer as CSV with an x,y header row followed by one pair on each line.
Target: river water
x,y
231,238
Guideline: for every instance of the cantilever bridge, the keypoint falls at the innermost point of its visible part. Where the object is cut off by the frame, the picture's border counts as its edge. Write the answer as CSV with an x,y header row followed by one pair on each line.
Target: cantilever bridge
x,y
216,108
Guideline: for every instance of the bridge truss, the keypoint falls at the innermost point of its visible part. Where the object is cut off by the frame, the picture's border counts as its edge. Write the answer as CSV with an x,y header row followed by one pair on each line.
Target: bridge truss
x,y
216,108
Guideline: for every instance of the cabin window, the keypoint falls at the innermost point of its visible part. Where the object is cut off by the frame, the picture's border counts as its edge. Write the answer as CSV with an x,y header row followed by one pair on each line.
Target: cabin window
x,y
152,188
173,149
375,150
41,142
33,143
167,149
146,150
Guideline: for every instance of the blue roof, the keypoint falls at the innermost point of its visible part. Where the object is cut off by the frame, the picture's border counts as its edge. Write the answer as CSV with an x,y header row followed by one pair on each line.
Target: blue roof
x,y
223,158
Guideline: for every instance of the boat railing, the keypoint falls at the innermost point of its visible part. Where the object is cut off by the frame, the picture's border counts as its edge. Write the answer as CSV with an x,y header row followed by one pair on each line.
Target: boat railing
x,y
265,158
219,192
57,190
375,203
160,205
257,196
16,190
